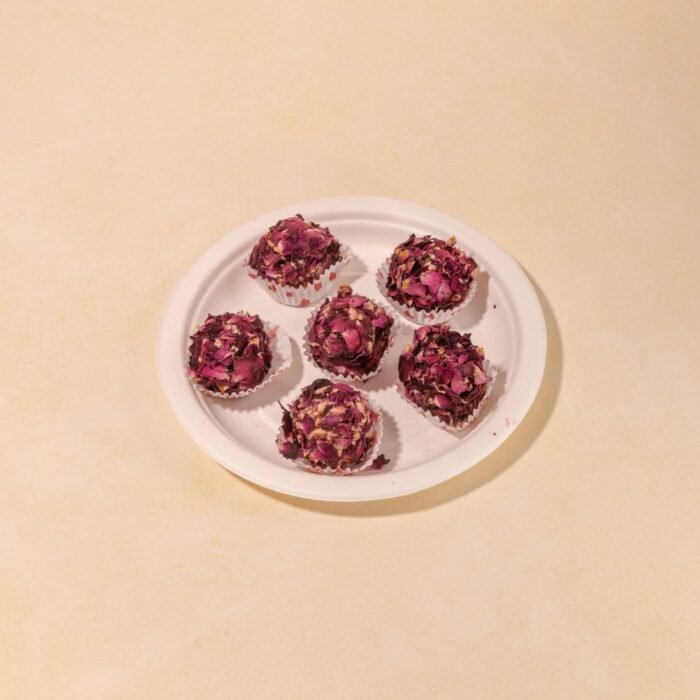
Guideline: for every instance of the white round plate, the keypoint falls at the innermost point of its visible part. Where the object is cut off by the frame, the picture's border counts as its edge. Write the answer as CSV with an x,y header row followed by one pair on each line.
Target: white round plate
x,y
505,318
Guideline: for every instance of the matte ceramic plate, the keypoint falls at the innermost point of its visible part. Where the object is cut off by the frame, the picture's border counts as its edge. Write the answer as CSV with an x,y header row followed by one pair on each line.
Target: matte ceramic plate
x,y
505,318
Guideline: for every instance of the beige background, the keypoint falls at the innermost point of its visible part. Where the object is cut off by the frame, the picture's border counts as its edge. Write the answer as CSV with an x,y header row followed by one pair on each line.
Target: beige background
x,y
133,135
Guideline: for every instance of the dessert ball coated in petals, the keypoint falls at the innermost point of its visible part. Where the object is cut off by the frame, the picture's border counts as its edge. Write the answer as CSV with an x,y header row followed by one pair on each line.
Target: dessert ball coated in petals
x,y
443,373
330,426
430,274
229,353
294,252
349,334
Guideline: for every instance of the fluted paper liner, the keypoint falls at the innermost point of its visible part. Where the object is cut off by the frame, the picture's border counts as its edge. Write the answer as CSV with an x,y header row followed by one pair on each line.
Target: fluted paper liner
x,y
309,293
489,370
420,317
349,377
348,471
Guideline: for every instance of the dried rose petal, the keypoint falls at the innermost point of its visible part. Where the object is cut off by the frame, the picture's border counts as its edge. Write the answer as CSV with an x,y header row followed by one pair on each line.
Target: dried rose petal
x,y
330,425
349,334
294,252
229,353
429,274
443,373
379,462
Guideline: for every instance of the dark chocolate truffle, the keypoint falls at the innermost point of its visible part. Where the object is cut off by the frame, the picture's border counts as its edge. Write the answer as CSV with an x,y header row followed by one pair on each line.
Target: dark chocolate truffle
x,y
349,334
294,252
229,353
429,274
443,373
330,427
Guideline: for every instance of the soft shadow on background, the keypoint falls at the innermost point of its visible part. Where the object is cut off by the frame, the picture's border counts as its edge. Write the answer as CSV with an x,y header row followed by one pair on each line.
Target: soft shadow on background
x,y
480,474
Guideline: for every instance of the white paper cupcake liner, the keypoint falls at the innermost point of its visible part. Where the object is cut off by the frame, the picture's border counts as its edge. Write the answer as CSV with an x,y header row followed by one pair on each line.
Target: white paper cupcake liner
x,y
489,370
419,317
309,293
348,471
281,349
349,377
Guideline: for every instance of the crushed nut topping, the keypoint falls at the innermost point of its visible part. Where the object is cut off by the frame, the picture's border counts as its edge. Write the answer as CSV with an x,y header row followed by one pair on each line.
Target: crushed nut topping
x,y
349,334
294,252
329,425
229,353
430,274
443,373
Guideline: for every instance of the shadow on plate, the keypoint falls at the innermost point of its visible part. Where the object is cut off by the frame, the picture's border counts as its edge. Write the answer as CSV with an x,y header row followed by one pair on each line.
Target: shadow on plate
x,y
469,316
390,446
480,474
387,376
352,271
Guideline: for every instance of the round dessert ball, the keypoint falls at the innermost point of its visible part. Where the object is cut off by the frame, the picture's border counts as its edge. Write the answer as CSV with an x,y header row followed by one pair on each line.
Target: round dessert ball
x,y
294,252
229,353
430,274
349,334
444,374
331,427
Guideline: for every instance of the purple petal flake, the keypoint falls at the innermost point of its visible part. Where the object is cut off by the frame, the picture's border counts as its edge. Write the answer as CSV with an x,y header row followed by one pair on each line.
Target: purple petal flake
x,y
334,345
330,426
349,334
415,289
352,339
324,452
289,450
458,385
218,373
480,377
442,401
379,462
429,274
431,279
229,353
443,373
294,252
307,425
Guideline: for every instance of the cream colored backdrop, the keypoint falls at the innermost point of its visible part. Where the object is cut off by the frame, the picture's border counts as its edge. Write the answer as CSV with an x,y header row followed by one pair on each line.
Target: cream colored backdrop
x,y
133,135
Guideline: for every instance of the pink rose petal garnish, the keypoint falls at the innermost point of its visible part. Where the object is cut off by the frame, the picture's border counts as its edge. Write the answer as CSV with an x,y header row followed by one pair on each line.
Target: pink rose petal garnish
x,y
442,372
229,353
330,425
349,334
429,274
294,252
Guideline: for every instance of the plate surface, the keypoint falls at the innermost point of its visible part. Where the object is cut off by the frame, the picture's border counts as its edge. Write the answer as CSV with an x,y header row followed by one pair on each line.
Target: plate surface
x,y
505,318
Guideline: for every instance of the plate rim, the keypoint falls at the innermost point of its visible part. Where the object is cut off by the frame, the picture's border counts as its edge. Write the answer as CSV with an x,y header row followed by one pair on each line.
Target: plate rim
x,y
312,486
